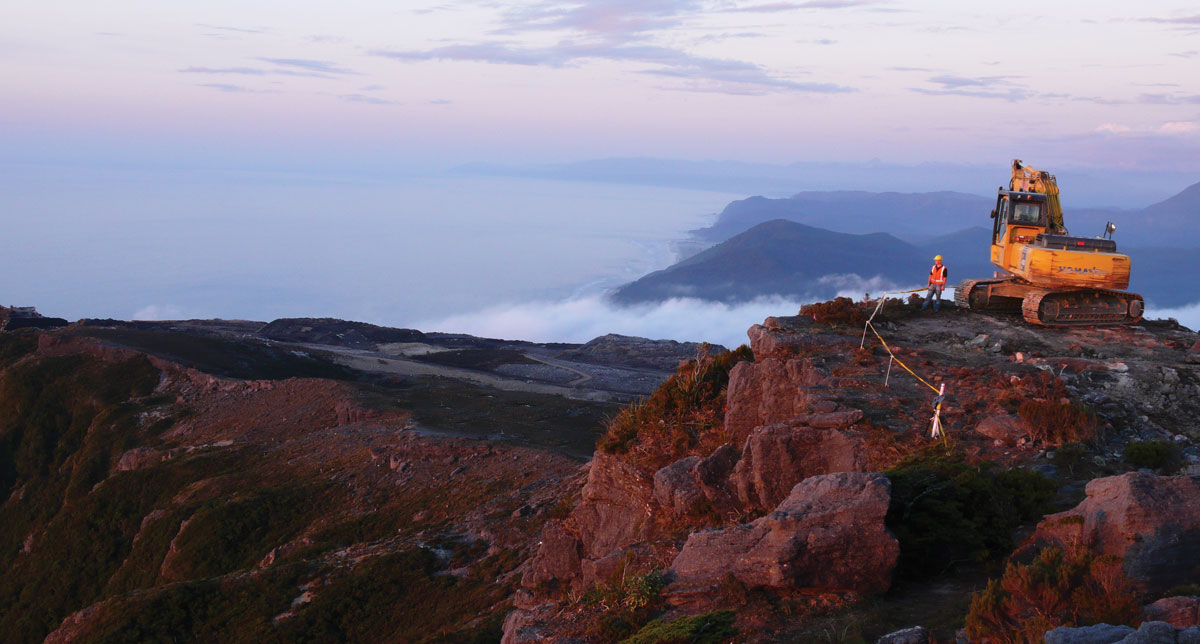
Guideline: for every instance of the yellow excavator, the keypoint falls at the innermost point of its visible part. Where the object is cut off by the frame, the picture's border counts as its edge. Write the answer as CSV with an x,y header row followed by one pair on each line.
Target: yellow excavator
x,y
1052,278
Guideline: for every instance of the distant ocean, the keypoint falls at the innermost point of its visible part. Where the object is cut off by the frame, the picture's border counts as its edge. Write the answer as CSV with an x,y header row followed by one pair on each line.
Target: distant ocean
x,y
128,243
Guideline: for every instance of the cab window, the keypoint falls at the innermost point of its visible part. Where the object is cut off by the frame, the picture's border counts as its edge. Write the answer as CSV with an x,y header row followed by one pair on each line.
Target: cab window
x,y
1026,213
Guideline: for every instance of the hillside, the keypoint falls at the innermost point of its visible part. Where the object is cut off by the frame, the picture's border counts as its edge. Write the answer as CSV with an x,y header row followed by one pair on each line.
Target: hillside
x,y
340,482
786,258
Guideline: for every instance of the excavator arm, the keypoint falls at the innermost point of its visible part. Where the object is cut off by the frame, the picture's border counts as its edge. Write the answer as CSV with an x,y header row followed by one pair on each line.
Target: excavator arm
x,y
1027,179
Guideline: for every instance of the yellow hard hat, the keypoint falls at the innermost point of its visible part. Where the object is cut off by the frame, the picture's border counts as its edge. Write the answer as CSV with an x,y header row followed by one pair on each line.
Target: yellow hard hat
x,y
937,258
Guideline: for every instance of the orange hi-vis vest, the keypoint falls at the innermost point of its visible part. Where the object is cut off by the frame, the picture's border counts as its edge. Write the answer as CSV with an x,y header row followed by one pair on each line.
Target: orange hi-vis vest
x,y
937,275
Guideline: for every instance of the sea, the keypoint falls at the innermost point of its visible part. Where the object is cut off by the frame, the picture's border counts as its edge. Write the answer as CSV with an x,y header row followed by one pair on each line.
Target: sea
x,y
406,251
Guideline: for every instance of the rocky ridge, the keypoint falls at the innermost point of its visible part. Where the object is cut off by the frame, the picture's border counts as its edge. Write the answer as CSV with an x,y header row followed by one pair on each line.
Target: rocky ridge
x,y
810,419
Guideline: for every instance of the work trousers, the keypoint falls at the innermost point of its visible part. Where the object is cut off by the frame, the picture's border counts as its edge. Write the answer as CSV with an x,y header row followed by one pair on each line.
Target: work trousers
x,y
934,289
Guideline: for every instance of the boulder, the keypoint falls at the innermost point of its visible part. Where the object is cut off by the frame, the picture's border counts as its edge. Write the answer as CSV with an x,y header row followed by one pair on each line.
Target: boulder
x,y
1151,633
771,391
1151,522
914,635
827,534
1189,635
1180,612
687,485
677,488
557,558
1095,634
712,473
777,457
1004,427
615,510
783,341
139,458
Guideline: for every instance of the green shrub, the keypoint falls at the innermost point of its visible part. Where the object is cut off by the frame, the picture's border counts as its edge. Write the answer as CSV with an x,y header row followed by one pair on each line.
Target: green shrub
x,y
945,511
1156,455
627,602
707,628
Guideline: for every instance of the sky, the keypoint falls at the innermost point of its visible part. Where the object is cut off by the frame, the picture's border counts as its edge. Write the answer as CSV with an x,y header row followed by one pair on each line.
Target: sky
x,y
365,85
261,159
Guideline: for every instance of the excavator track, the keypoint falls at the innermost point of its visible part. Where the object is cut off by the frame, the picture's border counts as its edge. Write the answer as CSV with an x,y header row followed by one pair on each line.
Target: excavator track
x,y
1083,307
969,295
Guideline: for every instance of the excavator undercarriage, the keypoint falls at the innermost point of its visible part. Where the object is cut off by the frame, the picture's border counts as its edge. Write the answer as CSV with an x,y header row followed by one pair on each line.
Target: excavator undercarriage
x,y
1046,307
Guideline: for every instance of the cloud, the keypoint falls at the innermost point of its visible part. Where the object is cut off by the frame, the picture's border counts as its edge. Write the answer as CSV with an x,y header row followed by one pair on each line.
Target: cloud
x,y
363,98
239,30
1183,21
370,88
316,66
978,87
1186,54
237,89
324,38
616,30
772,7
954,82
1170,128
1178,127
249,71
615,20
155,312
580,319
1169,99
1188,315
438,101
733,76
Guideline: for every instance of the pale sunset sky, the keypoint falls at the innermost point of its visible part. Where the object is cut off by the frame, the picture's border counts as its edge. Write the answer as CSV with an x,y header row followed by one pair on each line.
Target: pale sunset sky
x,y
414,84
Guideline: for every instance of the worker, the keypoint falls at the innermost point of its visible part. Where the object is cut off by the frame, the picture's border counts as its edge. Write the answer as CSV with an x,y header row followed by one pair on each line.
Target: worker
x,y
937,283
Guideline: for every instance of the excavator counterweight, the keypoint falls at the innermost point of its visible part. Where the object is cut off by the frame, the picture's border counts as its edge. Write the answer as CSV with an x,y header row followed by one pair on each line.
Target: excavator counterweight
x,y
1052,278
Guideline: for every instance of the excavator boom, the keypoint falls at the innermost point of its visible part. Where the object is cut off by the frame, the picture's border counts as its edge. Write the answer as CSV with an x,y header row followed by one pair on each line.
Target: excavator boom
x,y
1027,179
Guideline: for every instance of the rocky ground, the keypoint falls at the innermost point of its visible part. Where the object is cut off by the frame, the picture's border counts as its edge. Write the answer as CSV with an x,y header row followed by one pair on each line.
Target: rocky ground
x,y
305,480
777,510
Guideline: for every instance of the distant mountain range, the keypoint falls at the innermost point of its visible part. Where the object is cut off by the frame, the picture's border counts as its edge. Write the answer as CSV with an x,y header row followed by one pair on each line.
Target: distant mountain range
x,y
921,217
1083,187
791,259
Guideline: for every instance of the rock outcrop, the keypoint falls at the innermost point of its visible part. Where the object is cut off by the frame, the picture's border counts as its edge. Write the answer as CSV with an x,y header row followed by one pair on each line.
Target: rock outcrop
x,y
776,457
1148,633
1152,522
1180,612
771,391
615,510
827,534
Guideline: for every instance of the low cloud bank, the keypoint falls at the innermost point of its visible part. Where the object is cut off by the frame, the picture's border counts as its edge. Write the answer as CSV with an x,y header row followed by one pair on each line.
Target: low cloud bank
x,y
1188,316
583,318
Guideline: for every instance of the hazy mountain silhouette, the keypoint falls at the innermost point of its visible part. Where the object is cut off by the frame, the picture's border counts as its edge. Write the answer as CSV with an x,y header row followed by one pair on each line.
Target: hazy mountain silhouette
x,y
907,216
790,259
786,258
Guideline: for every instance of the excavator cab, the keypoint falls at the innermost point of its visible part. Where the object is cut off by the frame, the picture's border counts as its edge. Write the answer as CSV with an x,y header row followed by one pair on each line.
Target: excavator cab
x,y
1019,217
